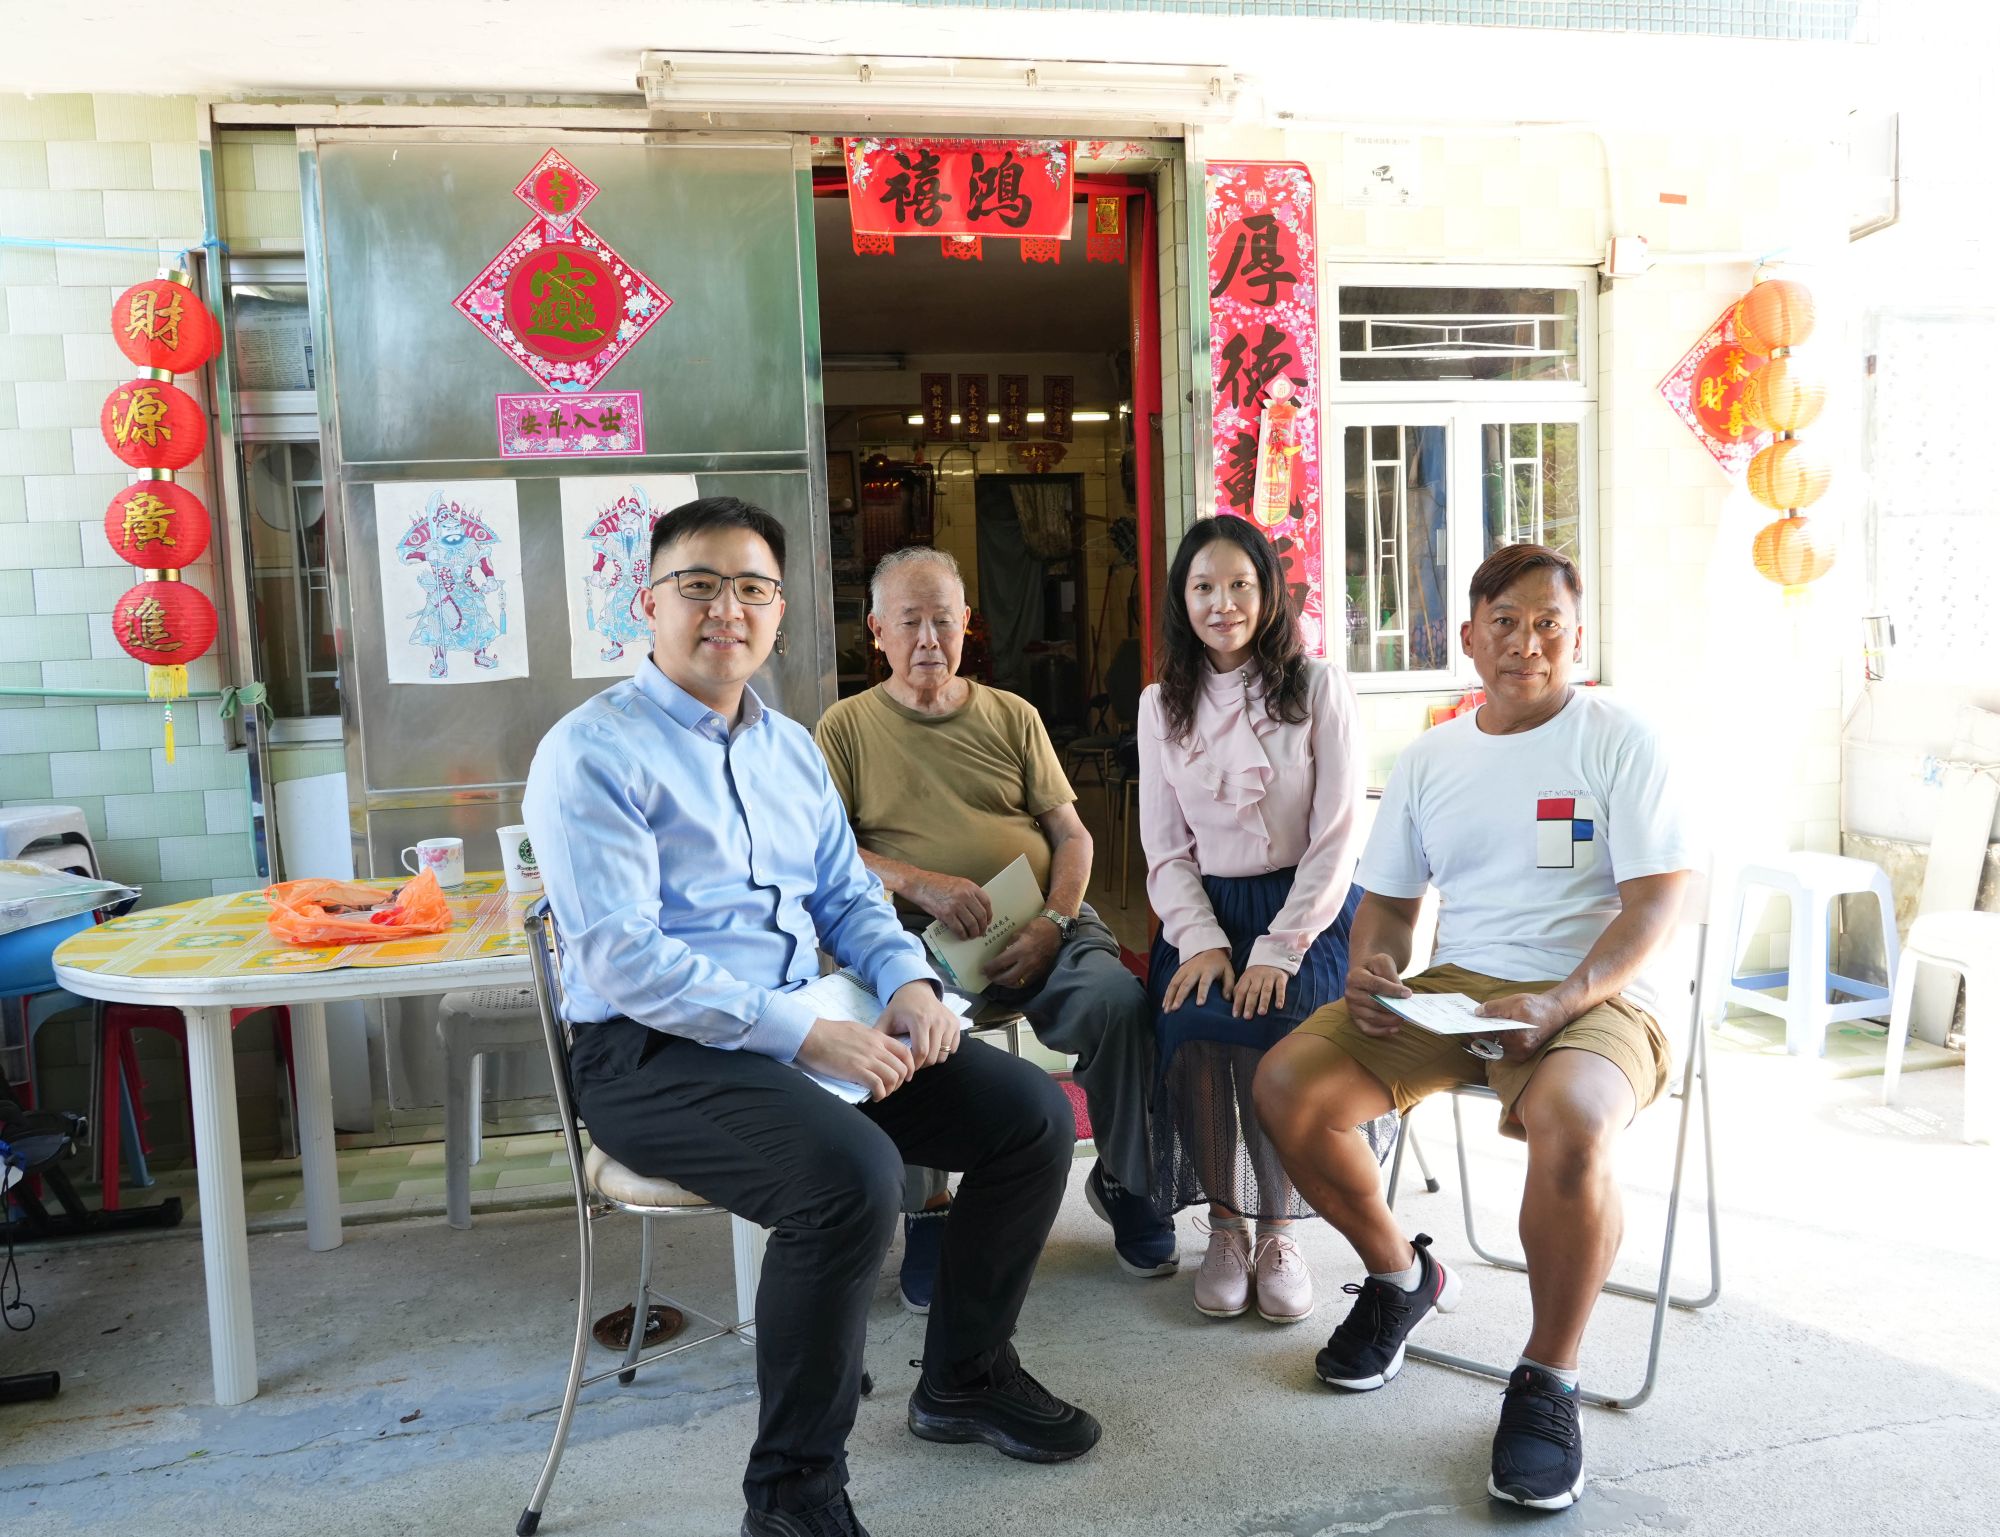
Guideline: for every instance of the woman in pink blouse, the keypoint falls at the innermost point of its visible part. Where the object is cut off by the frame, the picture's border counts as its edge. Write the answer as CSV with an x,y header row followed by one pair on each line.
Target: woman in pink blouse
x,y
1249,785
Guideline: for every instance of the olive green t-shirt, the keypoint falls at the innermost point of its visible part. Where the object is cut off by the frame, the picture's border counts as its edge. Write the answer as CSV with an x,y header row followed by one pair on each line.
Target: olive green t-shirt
x,y
955,793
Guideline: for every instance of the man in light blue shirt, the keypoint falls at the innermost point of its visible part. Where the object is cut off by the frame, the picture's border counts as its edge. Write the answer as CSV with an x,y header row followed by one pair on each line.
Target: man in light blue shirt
x,y
696,859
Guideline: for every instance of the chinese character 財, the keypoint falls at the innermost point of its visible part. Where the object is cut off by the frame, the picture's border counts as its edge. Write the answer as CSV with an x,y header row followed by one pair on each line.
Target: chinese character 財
x,y
915,190
1264,267
146,318
561,308
997,192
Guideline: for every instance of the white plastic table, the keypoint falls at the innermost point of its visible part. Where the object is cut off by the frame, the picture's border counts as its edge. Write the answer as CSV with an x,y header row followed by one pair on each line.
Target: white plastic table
x,y
206,1001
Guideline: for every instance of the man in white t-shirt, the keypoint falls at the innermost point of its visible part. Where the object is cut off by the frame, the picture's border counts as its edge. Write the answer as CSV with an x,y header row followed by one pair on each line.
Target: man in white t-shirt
x,y
1547,822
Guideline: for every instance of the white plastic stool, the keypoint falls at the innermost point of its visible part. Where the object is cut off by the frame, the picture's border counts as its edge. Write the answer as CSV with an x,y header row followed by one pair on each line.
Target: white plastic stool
x,y
54,836
474,1023
1813,882
1968,943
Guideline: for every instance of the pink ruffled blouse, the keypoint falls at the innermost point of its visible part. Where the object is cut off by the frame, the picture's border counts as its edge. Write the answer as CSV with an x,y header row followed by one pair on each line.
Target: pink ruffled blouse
x,y
1246,795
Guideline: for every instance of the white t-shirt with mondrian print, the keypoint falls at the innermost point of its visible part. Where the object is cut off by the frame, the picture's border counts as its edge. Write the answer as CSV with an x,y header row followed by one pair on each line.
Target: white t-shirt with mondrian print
x,y
1526,837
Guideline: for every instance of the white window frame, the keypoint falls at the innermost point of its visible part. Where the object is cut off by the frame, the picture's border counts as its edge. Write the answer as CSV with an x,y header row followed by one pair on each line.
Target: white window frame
x,y
1463,407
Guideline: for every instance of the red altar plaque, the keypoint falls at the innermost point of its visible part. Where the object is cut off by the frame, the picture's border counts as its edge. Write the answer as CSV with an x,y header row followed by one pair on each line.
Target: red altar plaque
x,y
1013,407
1263,307
1006,188
570,426
937,407
1705,390
557,299
972,407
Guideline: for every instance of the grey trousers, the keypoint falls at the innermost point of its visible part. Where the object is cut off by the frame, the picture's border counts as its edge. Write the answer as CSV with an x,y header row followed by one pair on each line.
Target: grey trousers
x,y
1091,1008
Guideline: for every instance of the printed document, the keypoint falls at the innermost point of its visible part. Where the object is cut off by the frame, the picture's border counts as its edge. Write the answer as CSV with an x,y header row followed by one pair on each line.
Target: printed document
x,y
1016,900
842,995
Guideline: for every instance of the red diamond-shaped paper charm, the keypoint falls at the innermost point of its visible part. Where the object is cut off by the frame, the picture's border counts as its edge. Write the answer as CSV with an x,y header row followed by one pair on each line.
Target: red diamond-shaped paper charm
x,y
562,304
1705,389
556,191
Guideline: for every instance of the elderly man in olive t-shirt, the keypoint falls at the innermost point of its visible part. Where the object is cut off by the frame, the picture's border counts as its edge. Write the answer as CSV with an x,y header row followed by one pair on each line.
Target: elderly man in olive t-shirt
x,y
946,783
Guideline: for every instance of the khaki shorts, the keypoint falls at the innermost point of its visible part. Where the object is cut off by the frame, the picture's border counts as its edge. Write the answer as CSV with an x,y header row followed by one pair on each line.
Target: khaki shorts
x,y
1414,1064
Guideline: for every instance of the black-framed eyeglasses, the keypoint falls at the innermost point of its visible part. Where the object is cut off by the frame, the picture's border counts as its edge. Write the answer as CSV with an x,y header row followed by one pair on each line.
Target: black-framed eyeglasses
x,y
698,585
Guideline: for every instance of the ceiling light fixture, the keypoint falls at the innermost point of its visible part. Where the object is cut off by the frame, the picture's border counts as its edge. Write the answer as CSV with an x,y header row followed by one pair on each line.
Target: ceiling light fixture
x,y
1018,91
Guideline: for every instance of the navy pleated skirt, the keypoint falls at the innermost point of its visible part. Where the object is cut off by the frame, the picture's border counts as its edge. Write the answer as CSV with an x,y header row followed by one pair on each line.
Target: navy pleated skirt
x,y
1207,1145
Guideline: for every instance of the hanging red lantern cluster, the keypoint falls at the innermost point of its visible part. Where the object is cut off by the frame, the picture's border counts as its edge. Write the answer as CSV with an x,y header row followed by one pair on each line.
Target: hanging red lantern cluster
x,y
156,523
1784,396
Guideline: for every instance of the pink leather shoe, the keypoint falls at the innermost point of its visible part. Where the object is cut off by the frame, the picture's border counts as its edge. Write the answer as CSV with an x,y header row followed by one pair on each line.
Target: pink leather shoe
x,y
1284,1282
1222,1285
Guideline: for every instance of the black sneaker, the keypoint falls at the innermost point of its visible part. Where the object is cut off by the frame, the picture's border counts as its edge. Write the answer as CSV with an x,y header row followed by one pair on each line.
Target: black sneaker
x,y
1008,1410
1144,1241
1366,1351
1538,1449
835,1518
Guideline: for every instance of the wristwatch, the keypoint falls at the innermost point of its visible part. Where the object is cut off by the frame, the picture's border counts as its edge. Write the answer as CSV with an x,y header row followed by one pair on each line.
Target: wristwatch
x,y
1063,925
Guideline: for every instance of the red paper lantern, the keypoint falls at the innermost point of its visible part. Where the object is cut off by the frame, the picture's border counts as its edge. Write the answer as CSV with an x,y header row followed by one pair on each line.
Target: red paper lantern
x,y
153,425
157,523
1784,395
1776,313
1792,552
1787,474
163,324
164,624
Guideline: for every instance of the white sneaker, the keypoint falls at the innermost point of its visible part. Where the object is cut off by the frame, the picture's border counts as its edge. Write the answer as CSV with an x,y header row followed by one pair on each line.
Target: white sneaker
x,y
1284,1282
1222,1285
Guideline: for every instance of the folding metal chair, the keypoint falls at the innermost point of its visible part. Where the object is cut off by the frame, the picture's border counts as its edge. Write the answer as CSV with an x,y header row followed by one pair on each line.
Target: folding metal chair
x,y
603,1186
1694,1074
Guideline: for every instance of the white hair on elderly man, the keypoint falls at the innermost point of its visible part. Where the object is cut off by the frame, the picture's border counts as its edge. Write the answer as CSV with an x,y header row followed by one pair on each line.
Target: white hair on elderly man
x,y
903,560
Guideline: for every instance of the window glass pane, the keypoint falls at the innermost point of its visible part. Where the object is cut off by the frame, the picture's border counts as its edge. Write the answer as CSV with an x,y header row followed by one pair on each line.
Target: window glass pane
x,y
291,608
273,336
1390,335
1398,577
1530,485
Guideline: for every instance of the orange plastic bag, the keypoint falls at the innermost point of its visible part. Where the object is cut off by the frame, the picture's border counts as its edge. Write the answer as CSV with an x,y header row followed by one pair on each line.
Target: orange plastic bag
x,y
308,912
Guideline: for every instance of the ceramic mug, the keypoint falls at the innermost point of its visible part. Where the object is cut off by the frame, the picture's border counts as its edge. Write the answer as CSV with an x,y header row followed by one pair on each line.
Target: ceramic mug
x,y
443,857
517,858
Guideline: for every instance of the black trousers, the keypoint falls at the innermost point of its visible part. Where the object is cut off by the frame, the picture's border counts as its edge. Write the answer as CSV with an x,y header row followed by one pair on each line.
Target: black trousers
x,y
760,1138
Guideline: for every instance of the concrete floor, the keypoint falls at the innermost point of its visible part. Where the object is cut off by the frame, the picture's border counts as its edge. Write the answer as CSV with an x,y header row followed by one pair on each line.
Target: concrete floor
x,y
1849,1381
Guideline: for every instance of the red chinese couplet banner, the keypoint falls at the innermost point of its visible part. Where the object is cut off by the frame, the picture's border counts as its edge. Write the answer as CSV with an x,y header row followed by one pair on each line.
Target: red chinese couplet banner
x,y
1010,189
1263,309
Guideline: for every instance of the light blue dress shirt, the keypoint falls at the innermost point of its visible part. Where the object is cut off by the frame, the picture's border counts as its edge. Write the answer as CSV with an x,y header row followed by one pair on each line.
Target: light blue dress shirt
x,y
694,872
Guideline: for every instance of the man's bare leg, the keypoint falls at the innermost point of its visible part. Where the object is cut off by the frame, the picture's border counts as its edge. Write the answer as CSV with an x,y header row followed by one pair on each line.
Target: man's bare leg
x,y
1312,1099
1571,1216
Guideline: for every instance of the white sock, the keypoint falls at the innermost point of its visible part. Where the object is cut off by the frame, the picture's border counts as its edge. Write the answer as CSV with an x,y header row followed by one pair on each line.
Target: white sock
x,y
1272,1230
1236,1222
1566,1375
1405,1280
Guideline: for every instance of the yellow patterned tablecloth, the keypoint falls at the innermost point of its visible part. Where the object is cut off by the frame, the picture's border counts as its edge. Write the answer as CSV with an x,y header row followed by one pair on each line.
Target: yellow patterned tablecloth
x,y
227,936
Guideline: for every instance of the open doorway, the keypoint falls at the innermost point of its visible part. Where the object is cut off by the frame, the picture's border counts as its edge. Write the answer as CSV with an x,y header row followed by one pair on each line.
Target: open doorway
x,y
1044,516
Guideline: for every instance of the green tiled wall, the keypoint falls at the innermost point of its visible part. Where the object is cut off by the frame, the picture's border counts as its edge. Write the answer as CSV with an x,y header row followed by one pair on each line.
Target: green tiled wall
x,y
113,169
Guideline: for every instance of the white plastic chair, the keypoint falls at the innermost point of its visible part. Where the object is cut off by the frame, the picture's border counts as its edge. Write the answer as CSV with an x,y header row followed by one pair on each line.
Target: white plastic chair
x,y
1969,944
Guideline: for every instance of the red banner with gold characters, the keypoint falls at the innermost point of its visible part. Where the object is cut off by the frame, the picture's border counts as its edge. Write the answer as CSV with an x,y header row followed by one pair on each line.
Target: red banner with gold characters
x,y
1007,188
1705,390
1263,307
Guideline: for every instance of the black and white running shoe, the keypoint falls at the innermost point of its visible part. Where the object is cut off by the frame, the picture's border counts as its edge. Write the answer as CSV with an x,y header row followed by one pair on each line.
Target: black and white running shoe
x,y
1366,1351
1538,1449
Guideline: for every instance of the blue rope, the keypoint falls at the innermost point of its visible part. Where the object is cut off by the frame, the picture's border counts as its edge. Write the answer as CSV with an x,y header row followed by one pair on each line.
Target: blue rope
x,y
208,242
